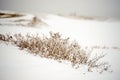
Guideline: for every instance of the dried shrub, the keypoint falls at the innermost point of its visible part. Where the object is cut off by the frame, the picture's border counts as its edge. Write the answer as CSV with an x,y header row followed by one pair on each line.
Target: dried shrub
x,y
5,38
57,48
35,20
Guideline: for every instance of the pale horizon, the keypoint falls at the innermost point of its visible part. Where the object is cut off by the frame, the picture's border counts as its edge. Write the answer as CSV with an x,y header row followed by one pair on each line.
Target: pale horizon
x,y
106,8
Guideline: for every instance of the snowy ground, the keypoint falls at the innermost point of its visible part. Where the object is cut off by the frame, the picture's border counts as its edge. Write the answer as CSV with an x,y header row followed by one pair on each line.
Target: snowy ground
x,y
20,65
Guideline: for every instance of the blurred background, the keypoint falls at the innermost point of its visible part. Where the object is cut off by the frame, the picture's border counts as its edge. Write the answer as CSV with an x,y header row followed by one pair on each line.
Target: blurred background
x,y
107,8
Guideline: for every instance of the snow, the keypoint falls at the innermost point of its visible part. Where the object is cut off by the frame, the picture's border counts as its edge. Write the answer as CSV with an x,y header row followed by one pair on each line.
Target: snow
x,y
88,32
17,64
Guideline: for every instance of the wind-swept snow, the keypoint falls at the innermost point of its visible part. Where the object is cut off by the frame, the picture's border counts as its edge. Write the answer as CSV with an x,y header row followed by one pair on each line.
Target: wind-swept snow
x,y
87,32
20,65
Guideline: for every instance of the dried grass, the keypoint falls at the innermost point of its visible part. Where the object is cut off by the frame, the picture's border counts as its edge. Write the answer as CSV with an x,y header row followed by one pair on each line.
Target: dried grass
x,y
9,15
83,17
57,48
21,22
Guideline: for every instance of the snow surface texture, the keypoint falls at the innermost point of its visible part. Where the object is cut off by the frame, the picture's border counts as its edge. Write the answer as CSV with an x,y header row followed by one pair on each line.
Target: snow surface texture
x,y
20,65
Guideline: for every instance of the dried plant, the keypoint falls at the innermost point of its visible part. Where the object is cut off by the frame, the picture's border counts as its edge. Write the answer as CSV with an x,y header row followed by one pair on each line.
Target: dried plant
x,y
57,48
9,15
20,22
35,20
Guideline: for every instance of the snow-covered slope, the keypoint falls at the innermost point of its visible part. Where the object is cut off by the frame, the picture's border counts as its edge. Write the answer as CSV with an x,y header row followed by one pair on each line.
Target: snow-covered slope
x,y
87,32
20,65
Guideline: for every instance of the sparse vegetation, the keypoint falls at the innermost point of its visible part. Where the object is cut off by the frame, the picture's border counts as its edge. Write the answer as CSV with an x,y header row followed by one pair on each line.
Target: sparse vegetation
x,y
83,17
34,21
57,48
9,15
20,21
